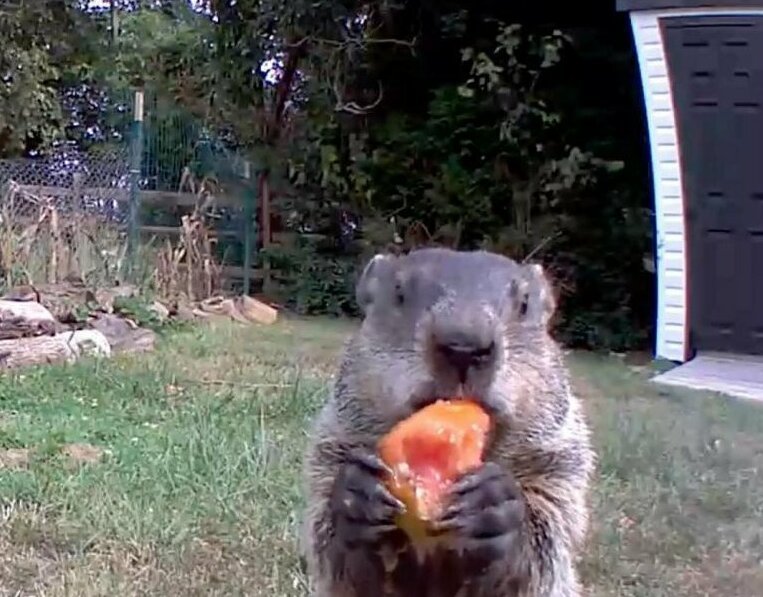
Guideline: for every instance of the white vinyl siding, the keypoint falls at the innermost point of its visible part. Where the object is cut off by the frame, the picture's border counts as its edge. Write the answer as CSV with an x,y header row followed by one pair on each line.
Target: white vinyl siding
x,y
666,179
672,320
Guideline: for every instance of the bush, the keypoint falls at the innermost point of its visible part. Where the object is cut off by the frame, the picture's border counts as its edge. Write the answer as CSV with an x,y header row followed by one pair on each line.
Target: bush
x,y
315,282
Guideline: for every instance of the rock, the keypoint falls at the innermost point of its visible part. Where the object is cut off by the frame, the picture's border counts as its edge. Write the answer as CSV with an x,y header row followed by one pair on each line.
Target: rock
x,y
243,309
185,313
22,293
123,336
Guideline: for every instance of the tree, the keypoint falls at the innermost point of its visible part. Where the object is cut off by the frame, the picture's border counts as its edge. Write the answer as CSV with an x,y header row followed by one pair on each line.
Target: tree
x,y
38,40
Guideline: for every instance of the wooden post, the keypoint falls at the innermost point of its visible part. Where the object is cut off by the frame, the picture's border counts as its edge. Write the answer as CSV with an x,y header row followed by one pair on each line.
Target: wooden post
x,y
55,238
135,166
76,204
114,22
266,238
76,188
250,234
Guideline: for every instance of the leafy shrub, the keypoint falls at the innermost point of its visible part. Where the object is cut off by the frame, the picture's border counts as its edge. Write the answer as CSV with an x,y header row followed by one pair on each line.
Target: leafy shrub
x,y
312,282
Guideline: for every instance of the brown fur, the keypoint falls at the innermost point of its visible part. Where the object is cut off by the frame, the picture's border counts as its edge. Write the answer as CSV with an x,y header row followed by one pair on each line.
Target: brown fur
x,y
540,433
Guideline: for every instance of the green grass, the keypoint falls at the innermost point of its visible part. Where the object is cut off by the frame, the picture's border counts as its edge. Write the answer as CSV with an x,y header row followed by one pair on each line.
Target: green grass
x,y
197,491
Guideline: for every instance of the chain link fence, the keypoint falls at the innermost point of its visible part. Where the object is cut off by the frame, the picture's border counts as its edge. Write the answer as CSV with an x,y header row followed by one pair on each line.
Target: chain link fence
x,y
63,215
69,213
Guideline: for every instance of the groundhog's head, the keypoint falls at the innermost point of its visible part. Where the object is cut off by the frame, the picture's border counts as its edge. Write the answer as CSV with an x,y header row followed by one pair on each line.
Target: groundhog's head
x,y
443,323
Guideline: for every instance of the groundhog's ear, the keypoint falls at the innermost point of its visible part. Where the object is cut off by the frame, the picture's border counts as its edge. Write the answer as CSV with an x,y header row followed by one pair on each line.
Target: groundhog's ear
x,y
533,295
368,282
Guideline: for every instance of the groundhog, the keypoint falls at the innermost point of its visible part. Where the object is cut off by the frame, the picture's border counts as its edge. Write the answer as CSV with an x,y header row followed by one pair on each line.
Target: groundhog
x,y
444,323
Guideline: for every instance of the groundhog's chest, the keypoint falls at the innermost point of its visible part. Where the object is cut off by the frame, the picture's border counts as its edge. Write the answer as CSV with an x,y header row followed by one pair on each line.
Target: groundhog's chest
x,y
443,574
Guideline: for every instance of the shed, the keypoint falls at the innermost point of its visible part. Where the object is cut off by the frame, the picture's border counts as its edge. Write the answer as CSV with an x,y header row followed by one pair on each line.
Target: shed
x,y
701,64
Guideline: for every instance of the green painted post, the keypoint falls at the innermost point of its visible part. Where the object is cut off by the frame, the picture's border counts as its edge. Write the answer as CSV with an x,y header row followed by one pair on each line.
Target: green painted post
x,y
136,153
250,231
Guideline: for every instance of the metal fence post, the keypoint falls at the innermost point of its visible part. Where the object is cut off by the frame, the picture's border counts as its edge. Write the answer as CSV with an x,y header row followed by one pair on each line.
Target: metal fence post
x,y
250,233
136,153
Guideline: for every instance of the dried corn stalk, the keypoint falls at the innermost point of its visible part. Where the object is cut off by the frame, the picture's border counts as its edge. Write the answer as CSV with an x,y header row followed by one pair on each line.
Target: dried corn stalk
x,y
189,269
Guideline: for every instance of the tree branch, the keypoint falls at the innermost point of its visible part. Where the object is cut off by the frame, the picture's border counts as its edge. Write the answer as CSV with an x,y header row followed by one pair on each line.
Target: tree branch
x,y
352,41
353,107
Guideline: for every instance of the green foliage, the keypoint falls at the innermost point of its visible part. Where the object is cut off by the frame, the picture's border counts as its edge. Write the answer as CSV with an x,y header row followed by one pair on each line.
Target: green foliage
x,y
28,104
599,264
144,37
36,40
488,158
491,164
315,282
138,308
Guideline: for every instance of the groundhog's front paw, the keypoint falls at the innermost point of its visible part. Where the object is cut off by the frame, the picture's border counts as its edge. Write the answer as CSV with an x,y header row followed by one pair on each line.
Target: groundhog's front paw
x,y
486,514
362,508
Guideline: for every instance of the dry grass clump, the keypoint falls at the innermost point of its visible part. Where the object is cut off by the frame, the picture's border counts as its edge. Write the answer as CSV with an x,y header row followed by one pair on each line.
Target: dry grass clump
x,y
45,238
41,244
189,268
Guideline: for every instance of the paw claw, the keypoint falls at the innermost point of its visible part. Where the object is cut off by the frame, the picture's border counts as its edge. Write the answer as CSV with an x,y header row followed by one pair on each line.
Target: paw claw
x,y
452,511
371,462
486,512
445,526
384,495
362,506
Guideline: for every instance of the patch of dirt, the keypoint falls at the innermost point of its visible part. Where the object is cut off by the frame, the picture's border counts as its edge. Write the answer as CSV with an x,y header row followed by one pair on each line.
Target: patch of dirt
x,y
82,454
15,458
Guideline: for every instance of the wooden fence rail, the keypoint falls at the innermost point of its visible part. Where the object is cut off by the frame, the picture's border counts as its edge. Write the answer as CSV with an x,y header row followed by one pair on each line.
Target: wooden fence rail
x,y
154,198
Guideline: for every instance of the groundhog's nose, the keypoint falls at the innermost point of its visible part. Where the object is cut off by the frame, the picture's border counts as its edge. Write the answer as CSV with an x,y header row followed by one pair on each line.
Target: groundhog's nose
x,y
464,352
463,357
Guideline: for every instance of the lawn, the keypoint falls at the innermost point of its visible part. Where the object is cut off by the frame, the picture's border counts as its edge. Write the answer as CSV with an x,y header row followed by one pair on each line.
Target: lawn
x,y
177,473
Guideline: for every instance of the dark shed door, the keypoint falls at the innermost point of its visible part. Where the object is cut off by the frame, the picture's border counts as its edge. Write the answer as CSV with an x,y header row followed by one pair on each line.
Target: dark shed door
x,y
716,70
